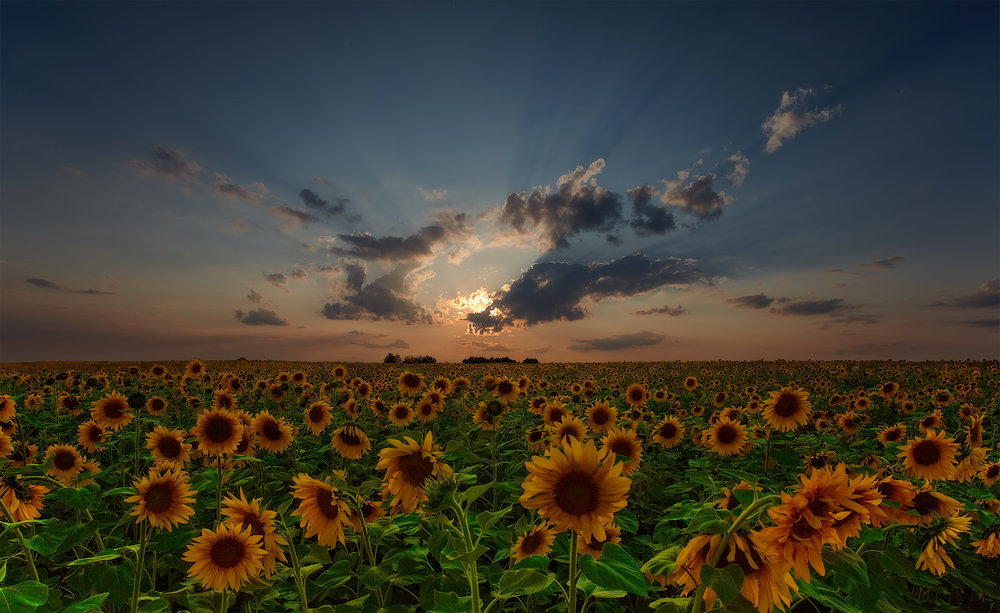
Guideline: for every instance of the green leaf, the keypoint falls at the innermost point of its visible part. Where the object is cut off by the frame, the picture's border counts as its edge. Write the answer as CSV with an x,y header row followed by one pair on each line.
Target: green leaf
x,y
473,493
450,602
698,463
589,588
47,541
178,538
895,561
116,580
848,563
103,556
524,581
487,520
3,571
78,498
727,581
710,520
156,605
731,473
744,496
671,605
827,597
23,597
662,563
614,570
88,605
627,521
119,491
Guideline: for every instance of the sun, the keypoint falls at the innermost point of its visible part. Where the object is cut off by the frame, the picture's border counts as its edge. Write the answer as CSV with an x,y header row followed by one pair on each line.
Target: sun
x,y
475,302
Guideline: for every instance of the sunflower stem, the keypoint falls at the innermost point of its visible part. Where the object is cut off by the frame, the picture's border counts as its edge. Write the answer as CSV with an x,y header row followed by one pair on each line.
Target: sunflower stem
x,y
471,573
218,491
20,537
97,531
571,597
366,540
143,539
296,569
767,453
751,511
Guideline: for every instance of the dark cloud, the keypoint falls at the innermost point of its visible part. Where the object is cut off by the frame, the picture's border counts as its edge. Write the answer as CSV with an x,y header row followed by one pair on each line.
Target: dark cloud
x,y
791,117
387,298
987,297
856,319
50,285
756,301
313,201
648,218
697,197
841,271
577,205
280,280
449,226
664,310
808,307
169,162
552,291
983,323
884,264
254,297
294,216
614,343
260,317
225,186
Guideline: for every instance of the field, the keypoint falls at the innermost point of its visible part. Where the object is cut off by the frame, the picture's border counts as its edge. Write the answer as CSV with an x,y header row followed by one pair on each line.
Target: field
x,y
347,488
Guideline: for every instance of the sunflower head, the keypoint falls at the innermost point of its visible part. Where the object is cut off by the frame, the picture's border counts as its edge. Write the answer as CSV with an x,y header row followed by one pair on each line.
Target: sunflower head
x,y
932,457
163,499
227,557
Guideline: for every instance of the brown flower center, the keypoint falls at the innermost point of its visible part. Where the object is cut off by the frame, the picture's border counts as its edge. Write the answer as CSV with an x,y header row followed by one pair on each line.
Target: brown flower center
x,y
577,494
114,409
95,434
349,439
157,404
893,435
255,524
64,460
993,471
411,381
637,395
531,543
415,468
668,431
622,448
402,413
227,552
169,447
271,430
218,429
600,417
316,414
787,405
324,500
927,453
159,497
505,387
726,435
925,502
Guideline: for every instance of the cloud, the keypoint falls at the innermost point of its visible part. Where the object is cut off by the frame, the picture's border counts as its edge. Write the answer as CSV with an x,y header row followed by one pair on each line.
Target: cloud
x,y
983,323
790,118
884,264
50,285
614,343
664,310
434,195
840,271
170,162
280,280
254,297
741,168
987,297
808,307
554,291
578,205
648,218
756,301
294,216
697,197
241,226
322,180
396,344
225,186
487,346
853,319
260,317
387,298
449,226
73,172
313,201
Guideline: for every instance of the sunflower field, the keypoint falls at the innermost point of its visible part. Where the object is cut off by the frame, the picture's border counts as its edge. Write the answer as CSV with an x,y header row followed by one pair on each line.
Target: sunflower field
x,y
572,487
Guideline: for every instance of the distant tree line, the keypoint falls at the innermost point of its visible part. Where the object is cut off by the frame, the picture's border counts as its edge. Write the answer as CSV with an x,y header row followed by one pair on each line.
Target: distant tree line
x,y
478,359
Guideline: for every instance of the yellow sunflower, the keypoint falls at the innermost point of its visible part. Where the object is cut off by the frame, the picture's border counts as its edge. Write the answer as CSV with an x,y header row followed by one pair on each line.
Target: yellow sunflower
x,y
594,546
66,462
934,557
690,383
623,443
322,513
6,447
273,434
241,513
223,400
891,434
636,395
195,368
111,412
932,457
726,437
506,390
168,447
990,473
989,545
89,433
23,501
569,427
669,432
787,409
163,499
577,487
317,416
601,417
351,442
536,440
410,383
537,541
227,557
156,405
426,410
7,408
218,432
407,465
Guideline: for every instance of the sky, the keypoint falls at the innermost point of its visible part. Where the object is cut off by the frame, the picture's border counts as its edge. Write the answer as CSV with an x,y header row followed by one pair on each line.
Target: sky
x,y
569,181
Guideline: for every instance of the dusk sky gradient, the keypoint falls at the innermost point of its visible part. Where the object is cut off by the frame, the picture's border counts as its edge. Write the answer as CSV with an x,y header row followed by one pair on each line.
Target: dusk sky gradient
x,y
566,181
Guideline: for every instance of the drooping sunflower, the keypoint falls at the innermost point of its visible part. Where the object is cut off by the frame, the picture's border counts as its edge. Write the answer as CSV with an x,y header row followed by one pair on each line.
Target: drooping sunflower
x,y
400,414
636,395
408,465
323,514
378,407
989,545
218,432
227,557
932,457
22,500
317,416
537,541
168,447
23,455
891,434
89,433
787,409
934,420
163,499
577,488
536,440
934,557
7,408
888,390
929,504
273,434
943,398
410,383
601,417
567,428
371,511
6,447
669,432
351,407
66,462
623,442
864,504
974,432
990,473
594,546
726,437
351,442
968,465
111,412
241,513
156,405
442,385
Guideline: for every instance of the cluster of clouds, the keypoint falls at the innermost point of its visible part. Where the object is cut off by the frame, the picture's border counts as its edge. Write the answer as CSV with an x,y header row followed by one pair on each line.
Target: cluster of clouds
x,y
62,288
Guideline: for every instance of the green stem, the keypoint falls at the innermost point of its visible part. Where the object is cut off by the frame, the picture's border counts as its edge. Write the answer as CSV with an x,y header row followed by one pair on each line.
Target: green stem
x,y
571,602
20,537
218,491
97,531
366,540
296,569
745,516
143,539
767,454
471,573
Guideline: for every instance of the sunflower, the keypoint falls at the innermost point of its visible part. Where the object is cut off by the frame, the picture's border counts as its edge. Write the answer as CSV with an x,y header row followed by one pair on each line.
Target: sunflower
x,y
89,433
990,473
974,432
536,440
989,545
66,462
241,513
70,403
730,501
891,434
932,457
223,400
227,557
195,368
899,492
378,408
7,408
690,383
726,437
934,557
24,502
669,432
594,546
537,541
555,412
908,407
158,371
601,417
350,406
787,409
636,395
506,390
943,398
276,392
929,504
6,447
569,427
218,432
23,455
400,414
888,390
410,383
273,434
408,464
323,513
623,443
934,420
112,412
351,442
371,511
968,465
156,405
441,385
864,503
426,410
720,399
163,499
88,472
577,487
484,418
168,447
317,416
234,385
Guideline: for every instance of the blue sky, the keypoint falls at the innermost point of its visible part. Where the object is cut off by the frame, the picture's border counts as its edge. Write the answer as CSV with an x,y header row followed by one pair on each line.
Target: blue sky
x,y
333,181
